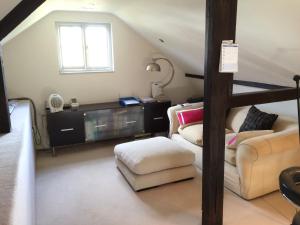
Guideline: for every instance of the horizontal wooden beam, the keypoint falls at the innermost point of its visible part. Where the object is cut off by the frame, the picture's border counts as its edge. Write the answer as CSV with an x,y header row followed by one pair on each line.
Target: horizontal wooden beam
x,y
194,76
263,97
17,16
245,83
259,85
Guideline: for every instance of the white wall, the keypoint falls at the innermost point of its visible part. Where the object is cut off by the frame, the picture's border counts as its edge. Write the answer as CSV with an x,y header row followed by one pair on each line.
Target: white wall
x,y
32,67
288,108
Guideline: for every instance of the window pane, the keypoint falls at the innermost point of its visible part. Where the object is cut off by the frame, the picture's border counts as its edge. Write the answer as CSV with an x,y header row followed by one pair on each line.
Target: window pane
x,y
71,43
98,50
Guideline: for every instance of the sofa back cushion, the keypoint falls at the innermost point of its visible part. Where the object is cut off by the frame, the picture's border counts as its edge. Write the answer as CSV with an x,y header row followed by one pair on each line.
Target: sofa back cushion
x,y
236,117
285,123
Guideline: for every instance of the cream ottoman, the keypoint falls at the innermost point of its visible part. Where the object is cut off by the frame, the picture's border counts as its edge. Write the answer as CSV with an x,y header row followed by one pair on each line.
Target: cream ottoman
x,y
153,162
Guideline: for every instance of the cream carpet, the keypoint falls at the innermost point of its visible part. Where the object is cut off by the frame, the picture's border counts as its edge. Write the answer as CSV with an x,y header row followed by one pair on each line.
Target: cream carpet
x,y
82,186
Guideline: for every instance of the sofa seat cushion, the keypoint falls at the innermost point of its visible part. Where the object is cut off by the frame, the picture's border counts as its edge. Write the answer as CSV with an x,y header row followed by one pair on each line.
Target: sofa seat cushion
x,y
230,156
153,155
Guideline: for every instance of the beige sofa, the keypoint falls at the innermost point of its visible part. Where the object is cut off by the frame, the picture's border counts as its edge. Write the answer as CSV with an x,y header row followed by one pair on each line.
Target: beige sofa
x,y
252,170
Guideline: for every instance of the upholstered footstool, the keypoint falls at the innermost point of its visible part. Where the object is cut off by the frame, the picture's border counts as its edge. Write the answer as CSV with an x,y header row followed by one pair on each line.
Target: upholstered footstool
x,y
153,162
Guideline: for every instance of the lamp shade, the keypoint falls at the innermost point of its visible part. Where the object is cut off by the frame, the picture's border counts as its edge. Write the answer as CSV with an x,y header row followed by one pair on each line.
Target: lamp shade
x,y
153,67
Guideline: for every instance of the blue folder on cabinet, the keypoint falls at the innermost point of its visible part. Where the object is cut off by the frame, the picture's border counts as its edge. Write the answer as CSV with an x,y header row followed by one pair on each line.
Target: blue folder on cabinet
x,y
129,101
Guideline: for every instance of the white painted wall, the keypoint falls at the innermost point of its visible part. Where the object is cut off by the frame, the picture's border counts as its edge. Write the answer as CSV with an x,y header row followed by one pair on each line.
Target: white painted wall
x,y
288,108
32,67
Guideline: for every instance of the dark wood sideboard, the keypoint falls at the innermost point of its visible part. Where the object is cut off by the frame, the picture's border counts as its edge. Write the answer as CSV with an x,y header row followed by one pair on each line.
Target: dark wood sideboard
x,y
105,121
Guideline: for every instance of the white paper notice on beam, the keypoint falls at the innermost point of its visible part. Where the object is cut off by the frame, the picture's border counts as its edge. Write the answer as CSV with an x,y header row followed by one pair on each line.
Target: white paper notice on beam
x,y
229,57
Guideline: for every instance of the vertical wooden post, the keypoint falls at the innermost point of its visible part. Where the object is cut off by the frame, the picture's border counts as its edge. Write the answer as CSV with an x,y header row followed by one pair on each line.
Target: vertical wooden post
x,y
220,25
4,113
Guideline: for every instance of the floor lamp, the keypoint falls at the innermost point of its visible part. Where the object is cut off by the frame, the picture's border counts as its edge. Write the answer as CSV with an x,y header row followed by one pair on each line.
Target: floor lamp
x,y
157,87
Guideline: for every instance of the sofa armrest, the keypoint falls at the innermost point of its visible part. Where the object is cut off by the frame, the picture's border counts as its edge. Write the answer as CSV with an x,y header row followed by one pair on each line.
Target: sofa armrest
x,y
260,160
174,124
258,148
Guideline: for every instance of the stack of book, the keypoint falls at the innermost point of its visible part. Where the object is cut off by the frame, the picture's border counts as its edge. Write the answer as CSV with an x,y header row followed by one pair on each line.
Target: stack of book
x,y
148,100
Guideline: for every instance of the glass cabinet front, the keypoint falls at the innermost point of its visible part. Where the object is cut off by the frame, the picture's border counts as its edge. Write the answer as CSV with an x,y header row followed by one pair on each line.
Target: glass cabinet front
x,y
113,123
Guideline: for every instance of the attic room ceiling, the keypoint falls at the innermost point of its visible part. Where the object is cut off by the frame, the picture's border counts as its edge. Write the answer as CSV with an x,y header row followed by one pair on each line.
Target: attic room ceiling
x,y
6,6
267,31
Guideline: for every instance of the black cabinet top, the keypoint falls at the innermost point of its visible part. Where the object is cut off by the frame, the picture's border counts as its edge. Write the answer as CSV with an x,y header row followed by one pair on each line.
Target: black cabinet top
x,y
101,106
92,107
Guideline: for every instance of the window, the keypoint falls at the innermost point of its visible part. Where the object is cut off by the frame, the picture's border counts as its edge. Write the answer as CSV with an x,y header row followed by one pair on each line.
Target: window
x,y
85,48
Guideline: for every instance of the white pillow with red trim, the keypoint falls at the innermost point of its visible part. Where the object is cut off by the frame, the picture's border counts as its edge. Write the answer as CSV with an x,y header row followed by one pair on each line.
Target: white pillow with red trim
x,y
189,117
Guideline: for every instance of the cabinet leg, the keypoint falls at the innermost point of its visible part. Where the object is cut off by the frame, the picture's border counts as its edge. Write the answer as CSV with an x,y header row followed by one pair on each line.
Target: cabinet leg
x,y
53,152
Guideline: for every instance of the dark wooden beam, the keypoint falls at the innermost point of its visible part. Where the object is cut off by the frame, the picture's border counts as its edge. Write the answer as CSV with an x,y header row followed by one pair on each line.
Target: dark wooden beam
x,y
4,113
258,85
245,83
220,25
18,15
263,97
195,76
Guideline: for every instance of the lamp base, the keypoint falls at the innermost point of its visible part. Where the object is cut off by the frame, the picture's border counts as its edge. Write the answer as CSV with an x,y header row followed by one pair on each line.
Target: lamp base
x,y
162,98
157,89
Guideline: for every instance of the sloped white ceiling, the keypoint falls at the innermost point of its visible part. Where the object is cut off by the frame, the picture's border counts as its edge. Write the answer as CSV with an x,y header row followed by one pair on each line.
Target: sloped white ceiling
x,y
6,6
268,32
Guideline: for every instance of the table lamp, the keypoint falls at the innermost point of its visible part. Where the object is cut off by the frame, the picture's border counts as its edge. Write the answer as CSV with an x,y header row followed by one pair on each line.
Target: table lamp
x,y
158,86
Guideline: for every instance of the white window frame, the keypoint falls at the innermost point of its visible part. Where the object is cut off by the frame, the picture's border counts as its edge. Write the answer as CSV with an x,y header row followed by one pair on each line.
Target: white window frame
x,y
85,69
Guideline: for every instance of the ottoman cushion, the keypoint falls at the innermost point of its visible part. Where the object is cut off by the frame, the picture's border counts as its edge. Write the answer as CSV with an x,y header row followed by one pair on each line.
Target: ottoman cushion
x,y
140,182
153,155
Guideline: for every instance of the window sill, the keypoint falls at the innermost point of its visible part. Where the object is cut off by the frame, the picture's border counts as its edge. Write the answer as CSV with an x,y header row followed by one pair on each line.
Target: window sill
x,y
70,72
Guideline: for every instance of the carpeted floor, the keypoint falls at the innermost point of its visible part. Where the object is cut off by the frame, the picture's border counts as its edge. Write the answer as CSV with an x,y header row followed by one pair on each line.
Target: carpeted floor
x,y
82,186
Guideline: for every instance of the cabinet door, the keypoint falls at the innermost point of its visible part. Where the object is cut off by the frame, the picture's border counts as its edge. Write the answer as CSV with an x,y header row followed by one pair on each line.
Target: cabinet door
x,y
156,118
113,123
65,128
129,121
99,125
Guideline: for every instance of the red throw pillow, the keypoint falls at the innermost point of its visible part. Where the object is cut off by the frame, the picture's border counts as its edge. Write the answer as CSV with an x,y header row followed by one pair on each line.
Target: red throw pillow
x,y
190,116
